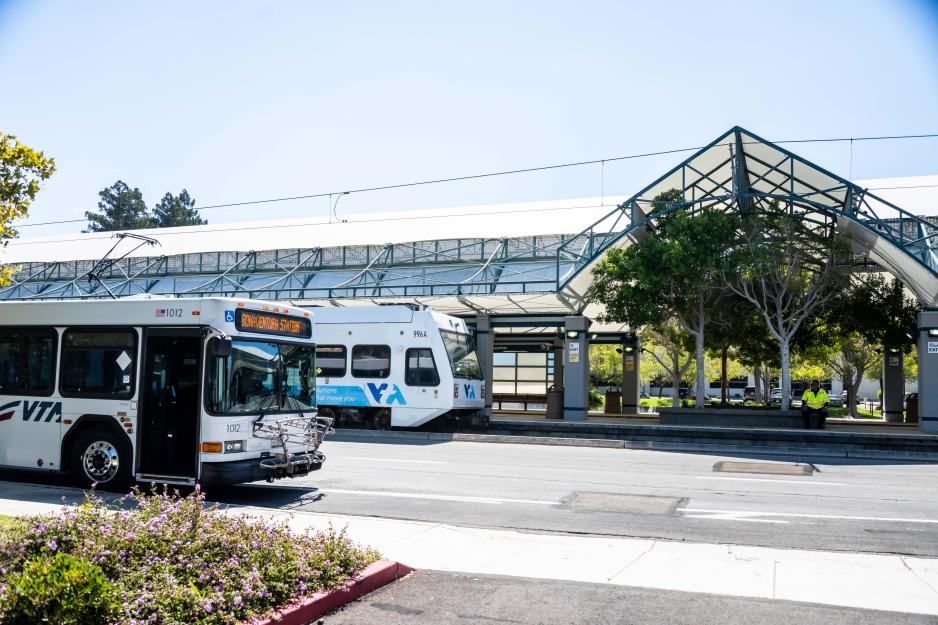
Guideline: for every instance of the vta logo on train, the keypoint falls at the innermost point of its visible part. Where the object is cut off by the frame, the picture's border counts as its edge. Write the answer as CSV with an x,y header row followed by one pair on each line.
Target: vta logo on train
x,y
470,392
35,411
377,391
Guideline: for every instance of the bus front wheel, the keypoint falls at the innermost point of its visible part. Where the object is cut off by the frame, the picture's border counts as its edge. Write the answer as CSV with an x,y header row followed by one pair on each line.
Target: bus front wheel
x,y
100,457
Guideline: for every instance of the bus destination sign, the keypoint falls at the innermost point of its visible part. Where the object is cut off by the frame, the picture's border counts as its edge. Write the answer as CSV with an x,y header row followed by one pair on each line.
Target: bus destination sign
x,y
272,323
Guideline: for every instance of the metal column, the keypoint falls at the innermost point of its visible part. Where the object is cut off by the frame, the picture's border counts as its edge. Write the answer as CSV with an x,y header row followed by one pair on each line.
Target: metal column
x,y
893,386
558,348
576,368
928,370
631,378
485,348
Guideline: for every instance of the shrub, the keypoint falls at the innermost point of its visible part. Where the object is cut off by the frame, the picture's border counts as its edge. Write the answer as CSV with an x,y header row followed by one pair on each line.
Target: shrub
x,y
174,560
58,588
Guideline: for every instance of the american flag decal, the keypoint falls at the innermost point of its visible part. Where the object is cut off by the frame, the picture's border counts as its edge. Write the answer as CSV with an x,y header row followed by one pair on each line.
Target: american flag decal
x,y
160,312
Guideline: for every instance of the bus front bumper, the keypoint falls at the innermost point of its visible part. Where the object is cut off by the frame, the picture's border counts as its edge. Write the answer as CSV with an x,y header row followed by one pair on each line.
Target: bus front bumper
x,y
242,471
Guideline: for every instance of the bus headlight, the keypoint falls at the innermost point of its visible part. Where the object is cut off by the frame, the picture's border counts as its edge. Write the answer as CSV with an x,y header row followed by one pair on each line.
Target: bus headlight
x,y
234,447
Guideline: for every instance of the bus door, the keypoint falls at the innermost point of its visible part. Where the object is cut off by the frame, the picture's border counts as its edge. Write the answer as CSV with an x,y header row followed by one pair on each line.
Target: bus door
x,y
170,405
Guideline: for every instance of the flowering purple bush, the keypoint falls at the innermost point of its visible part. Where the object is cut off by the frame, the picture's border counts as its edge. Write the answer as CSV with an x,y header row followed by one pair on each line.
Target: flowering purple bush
x,y
174,560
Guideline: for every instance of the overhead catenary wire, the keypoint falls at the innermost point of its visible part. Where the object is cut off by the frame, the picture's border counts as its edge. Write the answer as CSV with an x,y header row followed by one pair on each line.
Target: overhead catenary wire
x,y
508,172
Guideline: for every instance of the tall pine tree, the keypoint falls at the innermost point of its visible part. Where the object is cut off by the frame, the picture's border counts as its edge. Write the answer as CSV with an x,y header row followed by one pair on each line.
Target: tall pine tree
x,y
122,208
178,210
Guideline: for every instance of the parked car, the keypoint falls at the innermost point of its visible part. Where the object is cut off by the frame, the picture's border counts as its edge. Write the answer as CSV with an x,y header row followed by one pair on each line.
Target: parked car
x,y
837,399
749,393
775,397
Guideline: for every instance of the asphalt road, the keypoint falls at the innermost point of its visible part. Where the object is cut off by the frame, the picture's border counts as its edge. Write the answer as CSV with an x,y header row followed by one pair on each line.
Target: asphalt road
x,y
868,506
459,599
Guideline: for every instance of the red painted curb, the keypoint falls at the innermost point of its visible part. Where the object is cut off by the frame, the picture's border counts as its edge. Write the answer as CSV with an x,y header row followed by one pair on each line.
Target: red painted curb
x,y
374,576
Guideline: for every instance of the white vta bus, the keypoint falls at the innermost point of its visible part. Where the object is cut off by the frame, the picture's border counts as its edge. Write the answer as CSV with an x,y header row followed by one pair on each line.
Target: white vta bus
x,y
397,366
179,391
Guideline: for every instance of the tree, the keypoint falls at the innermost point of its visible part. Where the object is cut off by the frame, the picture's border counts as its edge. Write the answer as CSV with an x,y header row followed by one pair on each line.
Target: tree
x,y
178,210
674,272
122,208
606,364
787,270
670,349
22,169
724,338
850,363
879,309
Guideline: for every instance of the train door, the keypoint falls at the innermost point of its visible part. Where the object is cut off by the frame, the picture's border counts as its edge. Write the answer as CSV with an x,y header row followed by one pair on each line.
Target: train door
x,y
170,402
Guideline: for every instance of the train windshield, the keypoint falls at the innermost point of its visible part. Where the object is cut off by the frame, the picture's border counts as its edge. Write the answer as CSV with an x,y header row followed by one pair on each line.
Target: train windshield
x,y
261,376
461,350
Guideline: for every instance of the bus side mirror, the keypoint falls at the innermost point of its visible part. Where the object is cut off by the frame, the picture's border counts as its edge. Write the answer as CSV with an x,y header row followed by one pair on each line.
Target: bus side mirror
x,y
220,347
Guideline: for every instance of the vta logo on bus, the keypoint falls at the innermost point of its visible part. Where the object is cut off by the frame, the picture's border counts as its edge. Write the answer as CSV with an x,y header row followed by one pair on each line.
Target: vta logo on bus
x,y
377,391
470,392
34,411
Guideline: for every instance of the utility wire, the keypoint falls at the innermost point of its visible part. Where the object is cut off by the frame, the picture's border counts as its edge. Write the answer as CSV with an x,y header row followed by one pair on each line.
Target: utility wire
x,y
508,172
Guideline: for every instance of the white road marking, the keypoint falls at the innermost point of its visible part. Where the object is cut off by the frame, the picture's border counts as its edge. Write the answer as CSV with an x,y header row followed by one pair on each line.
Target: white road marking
x,y
733,517
764,479
735,514
488,500
373,459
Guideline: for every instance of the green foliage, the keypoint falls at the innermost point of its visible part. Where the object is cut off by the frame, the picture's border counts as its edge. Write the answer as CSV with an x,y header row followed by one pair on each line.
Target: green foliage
x,y
671,272
178,210
175,560
122,208
58,588
878,309
606,363
595,401
22,169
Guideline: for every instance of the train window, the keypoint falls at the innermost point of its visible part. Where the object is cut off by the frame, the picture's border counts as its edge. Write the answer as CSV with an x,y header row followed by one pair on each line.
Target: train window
x,y
331,361
99,363
27,361
371,361
421,369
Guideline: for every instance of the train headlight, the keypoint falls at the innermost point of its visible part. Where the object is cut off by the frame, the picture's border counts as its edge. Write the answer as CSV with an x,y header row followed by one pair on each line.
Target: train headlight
x,y
483,390
455,391
234,447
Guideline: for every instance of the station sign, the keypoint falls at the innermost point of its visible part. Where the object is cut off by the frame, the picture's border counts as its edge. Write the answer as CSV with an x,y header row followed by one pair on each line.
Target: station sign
x,y
272,323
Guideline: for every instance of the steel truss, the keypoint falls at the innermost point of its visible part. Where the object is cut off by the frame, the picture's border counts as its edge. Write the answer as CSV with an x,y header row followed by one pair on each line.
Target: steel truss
x,y
742,172
738,171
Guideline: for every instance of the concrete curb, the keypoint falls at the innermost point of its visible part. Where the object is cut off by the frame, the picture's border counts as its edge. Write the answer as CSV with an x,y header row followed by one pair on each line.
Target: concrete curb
x,y
376,575
839,451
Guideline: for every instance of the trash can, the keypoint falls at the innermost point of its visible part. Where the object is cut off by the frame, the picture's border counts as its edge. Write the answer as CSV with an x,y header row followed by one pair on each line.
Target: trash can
x,y
555,402
911,408
613,401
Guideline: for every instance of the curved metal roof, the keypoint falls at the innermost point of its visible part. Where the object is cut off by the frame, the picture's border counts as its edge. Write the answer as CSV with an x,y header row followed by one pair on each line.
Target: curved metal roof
x,y
532,258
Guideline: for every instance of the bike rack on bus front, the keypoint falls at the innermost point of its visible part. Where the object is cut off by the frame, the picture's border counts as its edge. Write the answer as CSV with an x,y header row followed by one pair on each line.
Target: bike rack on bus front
x,y
306,431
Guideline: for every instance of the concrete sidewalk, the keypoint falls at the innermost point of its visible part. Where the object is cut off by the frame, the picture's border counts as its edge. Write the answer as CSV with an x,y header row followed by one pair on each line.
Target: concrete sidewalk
x,y
869,581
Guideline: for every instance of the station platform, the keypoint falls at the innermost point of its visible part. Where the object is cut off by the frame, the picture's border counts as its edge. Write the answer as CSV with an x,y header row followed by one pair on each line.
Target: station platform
x,y
847,438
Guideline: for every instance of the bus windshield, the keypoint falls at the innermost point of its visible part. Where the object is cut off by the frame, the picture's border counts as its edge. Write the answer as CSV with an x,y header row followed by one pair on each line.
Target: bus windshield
x,y
461,350
262,376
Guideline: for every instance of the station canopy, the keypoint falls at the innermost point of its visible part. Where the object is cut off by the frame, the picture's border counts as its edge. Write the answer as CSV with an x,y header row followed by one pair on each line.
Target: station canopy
x,y
531,259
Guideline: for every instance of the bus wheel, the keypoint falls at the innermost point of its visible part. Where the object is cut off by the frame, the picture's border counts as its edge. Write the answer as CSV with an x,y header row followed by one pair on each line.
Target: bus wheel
x,y
100,457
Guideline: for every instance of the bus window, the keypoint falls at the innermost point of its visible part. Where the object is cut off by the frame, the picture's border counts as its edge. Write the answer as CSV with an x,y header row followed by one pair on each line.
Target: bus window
x,y
262,377
371,361
331,361
421,369
462,355
27,361
99,363
299,386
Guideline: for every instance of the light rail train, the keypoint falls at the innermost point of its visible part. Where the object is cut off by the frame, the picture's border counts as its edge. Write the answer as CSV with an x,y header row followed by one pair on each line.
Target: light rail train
x,y
207,390
397,366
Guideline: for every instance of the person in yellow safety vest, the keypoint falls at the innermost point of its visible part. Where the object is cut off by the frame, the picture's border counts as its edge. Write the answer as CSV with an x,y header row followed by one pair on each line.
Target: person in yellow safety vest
x,y
814,404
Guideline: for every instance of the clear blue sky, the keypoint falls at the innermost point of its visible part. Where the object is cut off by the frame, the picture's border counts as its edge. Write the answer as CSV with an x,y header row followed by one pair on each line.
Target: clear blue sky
x,y
246,100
